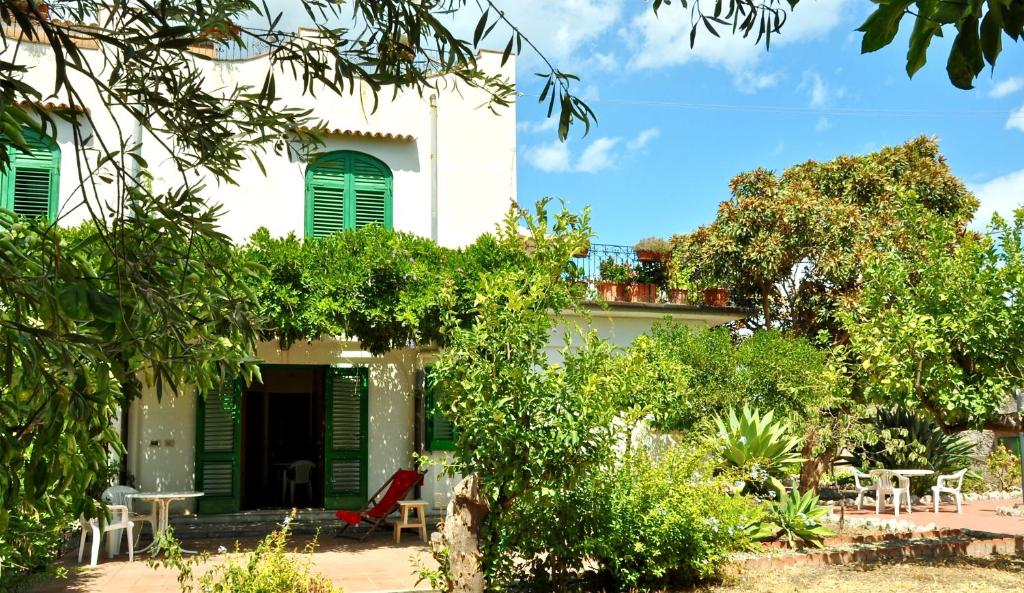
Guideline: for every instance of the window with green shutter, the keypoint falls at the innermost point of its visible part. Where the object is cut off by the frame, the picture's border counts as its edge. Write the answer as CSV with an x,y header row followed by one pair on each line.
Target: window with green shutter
x,y
30,183
440,433
346,190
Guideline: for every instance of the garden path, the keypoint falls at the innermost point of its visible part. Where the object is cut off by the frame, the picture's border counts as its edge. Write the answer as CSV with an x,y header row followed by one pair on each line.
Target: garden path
x,y
372,566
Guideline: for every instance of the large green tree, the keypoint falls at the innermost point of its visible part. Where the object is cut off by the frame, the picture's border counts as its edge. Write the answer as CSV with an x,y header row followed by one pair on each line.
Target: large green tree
x,y
944,332
792,245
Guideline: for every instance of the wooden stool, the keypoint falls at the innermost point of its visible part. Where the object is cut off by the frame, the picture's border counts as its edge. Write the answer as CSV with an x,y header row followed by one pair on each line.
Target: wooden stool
x,y
420,522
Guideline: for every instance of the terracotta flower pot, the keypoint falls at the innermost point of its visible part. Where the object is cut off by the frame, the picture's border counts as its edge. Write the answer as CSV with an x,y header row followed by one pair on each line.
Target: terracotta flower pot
x,y
676,296
610,291
641,292
650,256
716,297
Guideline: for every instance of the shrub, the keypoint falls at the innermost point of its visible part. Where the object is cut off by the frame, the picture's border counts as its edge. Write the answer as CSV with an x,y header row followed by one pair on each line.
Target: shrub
x,y
906,440
797,517
31,542
612,271
672,522
1002,468
653,244
761,449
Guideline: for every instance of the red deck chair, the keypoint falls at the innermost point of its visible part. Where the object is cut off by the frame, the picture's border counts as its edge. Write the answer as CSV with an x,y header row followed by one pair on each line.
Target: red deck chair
x,y
377,509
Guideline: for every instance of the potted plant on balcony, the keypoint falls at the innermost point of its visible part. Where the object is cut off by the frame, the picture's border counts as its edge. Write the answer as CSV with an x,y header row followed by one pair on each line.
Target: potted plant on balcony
x,y
652,249
649,276
614,277
715,295
680,282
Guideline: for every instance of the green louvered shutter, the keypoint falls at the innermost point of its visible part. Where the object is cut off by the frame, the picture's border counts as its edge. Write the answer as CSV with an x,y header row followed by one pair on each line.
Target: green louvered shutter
x,y
29,186
219,451
371,185
440,433
325,196
346,190
345,445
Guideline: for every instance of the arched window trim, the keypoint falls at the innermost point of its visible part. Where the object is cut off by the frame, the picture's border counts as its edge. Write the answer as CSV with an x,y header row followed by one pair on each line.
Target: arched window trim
x,y
343,164
18,159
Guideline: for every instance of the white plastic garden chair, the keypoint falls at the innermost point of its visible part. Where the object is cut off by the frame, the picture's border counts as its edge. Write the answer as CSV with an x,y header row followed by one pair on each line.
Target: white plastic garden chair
x,y
119,495
119,518
298,473
941,488
884,487
867,486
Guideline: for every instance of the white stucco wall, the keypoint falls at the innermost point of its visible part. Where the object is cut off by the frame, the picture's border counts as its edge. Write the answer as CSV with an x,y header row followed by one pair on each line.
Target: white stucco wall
x,y
476,171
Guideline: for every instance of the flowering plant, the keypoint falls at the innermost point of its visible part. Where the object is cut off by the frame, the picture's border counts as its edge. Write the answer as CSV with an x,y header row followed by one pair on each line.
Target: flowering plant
x,y
621,273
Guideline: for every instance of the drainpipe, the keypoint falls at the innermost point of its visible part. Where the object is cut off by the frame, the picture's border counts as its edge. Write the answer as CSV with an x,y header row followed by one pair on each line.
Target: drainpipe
x,y
433,167
1020,438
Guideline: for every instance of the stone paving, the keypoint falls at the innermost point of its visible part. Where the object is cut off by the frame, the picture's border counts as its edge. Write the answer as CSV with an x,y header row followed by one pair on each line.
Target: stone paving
x,y
979,515
374,565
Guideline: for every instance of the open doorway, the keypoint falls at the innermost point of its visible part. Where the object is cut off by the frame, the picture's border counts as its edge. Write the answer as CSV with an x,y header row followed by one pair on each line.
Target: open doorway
x,y
283,439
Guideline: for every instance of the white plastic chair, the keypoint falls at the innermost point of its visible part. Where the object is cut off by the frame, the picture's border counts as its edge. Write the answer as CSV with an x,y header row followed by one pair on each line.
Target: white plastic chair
x,y
119,495
119,519
884,487
940,487
298,473
862,487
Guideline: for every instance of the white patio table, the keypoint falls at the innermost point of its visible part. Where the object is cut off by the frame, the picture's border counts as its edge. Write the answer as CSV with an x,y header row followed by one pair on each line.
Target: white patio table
x,y
161,501
909,473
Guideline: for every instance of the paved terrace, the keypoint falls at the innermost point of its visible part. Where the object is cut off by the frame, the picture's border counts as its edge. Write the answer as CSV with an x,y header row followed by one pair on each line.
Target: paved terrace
x,y
356,567
979,515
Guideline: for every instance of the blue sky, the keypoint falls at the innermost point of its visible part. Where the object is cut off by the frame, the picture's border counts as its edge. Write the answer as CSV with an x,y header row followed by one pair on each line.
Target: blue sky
x,y
654,169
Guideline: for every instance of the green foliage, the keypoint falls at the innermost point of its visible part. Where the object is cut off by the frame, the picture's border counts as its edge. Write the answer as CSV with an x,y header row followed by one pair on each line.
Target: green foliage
x,y
794,245
682,377
901,439
797,517
942,330
32,541
655,245
621,273
1002,469
269,568
671,521
759,448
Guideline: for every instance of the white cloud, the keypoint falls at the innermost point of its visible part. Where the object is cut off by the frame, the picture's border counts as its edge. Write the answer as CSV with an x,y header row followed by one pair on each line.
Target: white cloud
x,y
1007,87
598,156
642,139
550,158
559,28
1002,194
816,87
537,127
822,124
1016,120
662,40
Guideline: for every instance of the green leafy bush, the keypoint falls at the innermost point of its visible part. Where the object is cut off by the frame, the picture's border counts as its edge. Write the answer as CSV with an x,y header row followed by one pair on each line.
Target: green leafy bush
x,y
1002,468
760,448
612,271
671,522
796,517
31,542
905,440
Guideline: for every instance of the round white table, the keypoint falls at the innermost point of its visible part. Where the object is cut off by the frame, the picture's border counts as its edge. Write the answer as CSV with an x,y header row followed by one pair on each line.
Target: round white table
x,y
909,473
161,501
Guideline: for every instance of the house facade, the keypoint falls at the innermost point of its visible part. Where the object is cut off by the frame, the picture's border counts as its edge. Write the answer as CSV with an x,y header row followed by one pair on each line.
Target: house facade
x,y
440,165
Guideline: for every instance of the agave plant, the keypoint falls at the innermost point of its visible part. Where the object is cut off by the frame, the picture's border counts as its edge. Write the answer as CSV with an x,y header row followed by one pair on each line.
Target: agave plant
x,y
910,441
761,448
798,517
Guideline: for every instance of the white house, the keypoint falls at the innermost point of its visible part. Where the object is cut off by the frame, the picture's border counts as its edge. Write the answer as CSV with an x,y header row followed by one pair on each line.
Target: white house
x,y
440,165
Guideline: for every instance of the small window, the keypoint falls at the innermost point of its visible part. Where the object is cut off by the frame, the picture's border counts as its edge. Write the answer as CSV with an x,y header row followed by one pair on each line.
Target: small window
x,y
30,183
440,432
346,190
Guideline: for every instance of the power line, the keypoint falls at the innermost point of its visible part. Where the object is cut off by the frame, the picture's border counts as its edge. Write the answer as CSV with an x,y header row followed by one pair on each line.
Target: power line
x,y
781,109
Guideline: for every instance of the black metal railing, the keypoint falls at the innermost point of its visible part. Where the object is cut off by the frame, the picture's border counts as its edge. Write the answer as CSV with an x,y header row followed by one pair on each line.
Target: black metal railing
x,y
589,263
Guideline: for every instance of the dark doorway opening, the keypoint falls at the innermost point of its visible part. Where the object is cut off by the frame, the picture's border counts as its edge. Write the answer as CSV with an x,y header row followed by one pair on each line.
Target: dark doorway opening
x,y
283,439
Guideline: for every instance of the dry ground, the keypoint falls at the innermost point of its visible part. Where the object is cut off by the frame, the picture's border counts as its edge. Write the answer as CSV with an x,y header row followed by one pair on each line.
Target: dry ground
x,y
989,575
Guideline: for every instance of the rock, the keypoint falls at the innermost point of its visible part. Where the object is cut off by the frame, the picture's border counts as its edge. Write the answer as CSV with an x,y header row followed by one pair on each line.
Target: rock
x,y
926,499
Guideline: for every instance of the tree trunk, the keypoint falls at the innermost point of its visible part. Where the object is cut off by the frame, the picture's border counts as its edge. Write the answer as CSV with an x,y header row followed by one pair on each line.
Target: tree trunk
x,y
814,465
459,545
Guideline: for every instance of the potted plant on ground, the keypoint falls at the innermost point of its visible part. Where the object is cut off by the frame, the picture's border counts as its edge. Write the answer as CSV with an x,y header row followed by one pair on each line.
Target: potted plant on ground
x,y
614,277
652,249
680,282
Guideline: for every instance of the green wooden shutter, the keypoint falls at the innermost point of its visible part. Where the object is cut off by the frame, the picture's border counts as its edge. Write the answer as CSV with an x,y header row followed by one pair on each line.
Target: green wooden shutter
x,y
345,442
30,185
219,452
347,190
371,186
440,432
